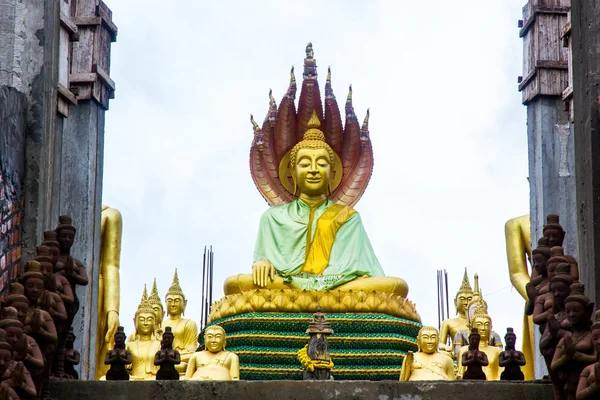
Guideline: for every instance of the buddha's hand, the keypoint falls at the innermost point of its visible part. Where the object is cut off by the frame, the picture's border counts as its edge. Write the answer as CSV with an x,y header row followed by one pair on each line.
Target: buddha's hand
x,y
112,323
262,271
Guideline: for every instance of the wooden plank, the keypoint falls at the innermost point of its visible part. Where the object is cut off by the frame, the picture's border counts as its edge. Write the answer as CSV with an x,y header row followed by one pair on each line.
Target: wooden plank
x,y
67,94
106,20
82,51
551,64
64,56
87,21
62,107
68,24
89,77
103,76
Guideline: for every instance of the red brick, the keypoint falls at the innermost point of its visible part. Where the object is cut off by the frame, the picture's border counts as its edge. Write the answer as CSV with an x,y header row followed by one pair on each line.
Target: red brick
x,y
18,252
2,262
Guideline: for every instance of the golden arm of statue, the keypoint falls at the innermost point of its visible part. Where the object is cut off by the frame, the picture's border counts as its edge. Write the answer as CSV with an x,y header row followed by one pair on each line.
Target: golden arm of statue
x,y
112,229
406,367
518,250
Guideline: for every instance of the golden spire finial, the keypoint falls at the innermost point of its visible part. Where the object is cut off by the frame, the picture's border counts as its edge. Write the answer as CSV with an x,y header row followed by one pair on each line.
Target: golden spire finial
x,y
254,124
349,98
175,289
272,99
481,309
145,293
292,77
465,287
313,122
476,286
309,51
154,297
329,75
144,306
365,124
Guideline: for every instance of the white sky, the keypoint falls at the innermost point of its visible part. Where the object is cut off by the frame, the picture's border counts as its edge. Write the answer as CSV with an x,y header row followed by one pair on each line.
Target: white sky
x,y
447,127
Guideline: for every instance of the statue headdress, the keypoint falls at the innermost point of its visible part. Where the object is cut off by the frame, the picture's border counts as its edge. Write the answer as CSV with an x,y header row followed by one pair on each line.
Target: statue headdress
x,y
283,128
33,269
143,307
16,294
465,287
65,222
4,345
154,298
10,317
175,289
553,222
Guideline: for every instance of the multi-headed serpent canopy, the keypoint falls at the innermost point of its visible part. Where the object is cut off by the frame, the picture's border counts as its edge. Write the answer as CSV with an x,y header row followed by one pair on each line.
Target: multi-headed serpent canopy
x,y
283,127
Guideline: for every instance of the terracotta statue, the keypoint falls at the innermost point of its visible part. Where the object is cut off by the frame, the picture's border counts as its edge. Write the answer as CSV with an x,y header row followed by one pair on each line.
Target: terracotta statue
x,y
111,230
166,358
315,356
15,380
539,277
554,232
312,171
159,310
589,379
72,356
215,363
25,348
55,283
575,350
511,359
427,364
67,265
551,307
118,358
482,322
145,347
450,327
473,359
185,330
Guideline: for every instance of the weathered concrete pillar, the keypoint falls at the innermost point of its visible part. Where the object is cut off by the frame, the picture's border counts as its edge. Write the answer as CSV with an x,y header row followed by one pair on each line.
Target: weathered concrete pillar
x,y
54,90
549,133
585,37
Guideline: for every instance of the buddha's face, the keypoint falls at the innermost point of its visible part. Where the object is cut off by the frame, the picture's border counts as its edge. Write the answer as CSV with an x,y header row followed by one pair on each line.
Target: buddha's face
x,y
144,323
158,312
214,339
510,341
554,236
484,327
428,341
13,335
560,291
65,237
462,301
312,171
34,288
576,312
5,359
175,304
539,263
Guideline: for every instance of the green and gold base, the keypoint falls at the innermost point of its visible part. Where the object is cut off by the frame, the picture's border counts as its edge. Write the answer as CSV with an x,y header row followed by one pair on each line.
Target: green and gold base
x,y
364,346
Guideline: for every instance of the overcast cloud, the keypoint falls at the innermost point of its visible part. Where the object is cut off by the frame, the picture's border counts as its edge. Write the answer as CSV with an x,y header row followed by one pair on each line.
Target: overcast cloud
x,y
447,126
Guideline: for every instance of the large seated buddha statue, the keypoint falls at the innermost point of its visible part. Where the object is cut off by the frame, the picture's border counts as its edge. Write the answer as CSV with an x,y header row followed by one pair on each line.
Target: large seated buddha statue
x,y
312,247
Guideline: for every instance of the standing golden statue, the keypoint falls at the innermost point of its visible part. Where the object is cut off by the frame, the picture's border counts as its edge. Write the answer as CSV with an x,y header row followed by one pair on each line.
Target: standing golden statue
x,y
144,347
185,330
215,363
111,231
427,364
483,323
450,327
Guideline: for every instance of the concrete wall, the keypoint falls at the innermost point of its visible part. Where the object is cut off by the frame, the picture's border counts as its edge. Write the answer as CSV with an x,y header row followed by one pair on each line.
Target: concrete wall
x,y
298,390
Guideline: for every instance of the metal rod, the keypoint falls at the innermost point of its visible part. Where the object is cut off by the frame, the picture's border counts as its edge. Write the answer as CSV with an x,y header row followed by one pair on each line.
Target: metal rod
x,y
202,295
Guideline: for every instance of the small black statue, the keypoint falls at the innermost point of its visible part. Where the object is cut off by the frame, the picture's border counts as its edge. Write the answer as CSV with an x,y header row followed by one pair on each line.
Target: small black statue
x,y
167,358
512,360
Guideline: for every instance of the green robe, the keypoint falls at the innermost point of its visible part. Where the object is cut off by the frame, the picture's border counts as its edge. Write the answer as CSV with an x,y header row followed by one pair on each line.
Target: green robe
x,y
282,241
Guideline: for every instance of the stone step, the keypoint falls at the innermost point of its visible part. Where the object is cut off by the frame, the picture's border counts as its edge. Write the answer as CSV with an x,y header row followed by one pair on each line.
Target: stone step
x,y
298,390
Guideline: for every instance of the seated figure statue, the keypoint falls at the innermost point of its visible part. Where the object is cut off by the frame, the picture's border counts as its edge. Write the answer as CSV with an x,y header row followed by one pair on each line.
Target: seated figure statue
x,y
312,242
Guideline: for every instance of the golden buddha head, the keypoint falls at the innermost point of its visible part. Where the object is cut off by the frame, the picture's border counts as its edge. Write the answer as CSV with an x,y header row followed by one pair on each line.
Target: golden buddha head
x,y
464,295
156,304
214,338
312,161
175,298
428,339
144,319
482,321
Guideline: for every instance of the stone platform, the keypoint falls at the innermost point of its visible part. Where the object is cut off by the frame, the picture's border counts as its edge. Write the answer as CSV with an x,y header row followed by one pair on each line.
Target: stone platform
x,y
297,390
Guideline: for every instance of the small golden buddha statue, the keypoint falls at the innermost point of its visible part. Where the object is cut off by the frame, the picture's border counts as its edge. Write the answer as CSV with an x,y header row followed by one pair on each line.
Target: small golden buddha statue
x,y
159,310
145,347
427,364
451,326
111,230
215,363
326,246
483,323
185,330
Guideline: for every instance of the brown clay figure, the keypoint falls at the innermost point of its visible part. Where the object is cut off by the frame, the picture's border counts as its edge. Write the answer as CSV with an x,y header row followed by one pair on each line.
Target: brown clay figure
x,y
118,358
589,380
474,359
575,350
554,232
511,359
539,274
166,358
72,356
15,379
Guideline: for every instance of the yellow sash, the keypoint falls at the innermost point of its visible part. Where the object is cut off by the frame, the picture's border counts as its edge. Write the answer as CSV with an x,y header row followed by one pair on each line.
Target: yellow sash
x,y
328,224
